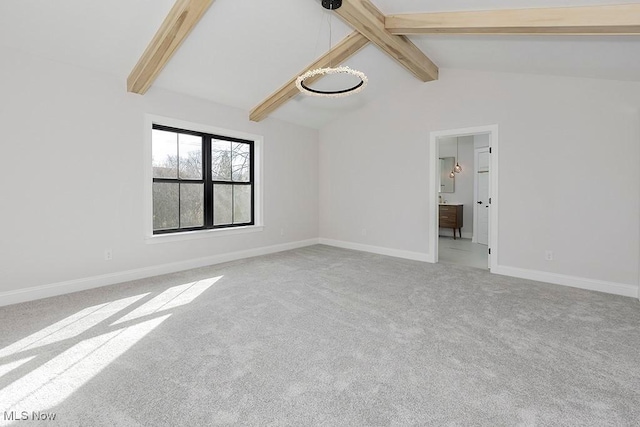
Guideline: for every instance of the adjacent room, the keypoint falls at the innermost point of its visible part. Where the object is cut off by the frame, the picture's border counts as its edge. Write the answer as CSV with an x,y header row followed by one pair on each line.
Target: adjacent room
x,y
320,212
463,200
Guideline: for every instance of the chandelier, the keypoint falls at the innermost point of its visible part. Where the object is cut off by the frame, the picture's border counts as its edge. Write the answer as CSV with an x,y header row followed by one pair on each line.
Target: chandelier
x,y
319,72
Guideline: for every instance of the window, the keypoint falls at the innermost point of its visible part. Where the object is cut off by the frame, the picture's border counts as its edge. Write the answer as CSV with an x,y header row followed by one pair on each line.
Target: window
x,y
201,180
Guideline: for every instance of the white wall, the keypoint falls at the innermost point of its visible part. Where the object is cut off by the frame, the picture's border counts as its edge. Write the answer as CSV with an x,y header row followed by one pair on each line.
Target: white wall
x,y
464,183
558,188
72,175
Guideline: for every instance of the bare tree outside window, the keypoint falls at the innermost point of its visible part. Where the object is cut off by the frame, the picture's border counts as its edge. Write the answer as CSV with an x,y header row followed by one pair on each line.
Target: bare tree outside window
x,y
182,198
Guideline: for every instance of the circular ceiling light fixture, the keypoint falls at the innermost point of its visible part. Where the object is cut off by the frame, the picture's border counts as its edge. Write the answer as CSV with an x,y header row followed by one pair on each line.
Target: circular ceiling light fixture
x,y
320,72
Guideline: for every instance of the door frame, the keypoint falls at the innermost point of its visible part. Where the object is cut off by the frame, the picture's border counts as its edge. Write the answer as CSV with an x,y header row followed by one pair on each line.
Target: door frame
x,y
476,156
432,202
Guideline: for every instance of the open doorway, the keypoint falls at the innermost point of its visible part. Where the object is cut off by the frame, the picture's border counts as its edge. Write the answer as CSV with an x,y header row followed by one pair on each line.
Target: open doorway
x,y
464,207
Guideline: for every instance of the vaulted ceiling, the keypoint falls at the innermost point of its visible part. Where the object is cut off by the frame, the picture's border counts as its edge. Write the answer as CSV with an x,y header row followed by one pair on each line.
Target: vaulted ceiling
x,y
241,51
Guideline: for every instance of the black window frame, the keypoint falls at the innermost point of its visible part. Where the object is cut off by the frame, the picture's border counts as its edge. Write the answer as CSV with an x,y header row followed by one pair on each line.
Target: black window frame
x,y
208,202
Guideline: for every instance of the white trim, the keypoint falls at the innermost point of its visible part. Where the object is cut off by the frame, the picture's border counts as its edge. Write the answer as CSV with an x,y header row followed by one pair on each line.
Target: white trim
x,y
476,156
539,276
258,147
467,235
474,218
447,232
201,234
492,130
434,180
398,253
60,288
494,196
564,280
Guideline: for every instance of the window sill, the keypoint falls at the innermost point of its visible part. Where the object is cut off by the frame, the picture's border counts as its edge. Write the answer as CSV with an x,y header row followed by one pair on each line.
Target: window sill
x,y
201,234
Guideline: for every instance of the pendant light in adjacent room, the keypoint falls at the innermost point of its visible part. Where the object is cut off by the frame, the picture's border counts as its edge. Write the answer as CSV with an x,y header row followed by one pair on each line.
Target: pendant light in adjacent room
x,y
457,168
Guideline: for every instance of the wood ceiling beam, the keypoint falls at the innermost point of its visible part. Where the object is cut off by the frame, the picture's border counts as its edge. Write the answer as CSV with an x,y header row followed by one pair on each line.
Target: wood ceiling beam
x,y
617,19
182,18
368,20
338,54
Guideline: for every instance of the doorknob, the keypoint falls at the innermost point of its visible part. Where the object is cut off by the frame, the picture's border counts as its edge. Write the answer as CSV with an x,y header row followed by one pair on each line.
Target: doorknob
x,y
480,202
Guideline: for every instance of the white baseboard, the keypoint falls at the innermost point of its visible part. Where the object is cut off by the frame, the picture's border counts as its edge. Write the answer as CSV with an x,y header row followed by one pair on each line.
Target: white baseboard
x,y
416,256
573,281
446,232
540,276
60,288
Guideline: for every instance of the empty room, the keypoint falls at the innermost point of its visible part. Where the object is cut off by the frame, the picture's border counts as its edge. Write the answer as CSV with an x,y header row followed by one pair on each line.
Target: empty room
x,y
320,212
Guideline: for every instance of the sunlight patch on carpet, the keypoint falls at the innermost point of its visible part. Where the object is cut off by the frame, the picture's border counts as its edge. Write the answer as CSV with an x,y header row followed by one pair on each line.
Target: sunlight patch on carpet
x,y
8,367
70,327
91,347
50,384
171,298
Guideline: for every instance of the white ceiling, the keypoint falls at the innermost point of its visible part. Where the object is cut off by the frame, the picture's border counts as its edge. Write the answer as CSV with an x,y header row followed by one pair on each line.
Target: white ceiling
x,y
242,51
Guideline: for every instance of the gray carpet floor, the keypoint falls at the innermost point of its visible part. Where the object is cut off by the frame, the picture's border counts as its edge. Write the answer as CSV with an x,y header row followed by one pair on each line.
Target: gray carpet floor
x,y
324,336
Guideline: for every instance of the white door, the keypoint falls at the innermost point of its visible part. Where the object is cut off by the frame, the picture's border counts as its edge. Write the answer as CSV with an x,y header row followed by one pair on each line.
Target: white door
x,y
481,206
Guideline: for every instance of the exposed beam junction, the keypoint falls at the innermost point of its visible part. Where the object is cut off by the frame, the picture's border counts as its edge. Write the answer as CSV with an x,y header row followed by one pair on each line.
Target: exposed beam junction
x,y
366,18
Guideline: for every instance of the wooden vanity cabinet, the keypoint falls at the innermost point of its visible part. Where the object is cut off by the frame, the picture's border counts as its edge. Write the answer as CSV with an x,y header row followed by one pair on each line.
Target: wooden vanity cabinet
x,y
451,217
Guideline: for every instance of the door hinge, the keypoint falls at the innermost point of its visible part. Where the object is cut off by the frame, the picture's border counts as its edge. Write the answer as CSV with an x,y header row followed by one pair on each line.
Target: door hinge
x,y
489,150
489,251
489,200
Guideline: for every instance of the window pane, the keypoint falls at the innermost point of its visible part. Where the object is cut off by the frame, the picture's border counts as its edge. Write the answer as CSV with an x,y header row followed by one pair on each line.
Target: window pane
x,y
222,206
191,205
190,156
241,162
220,160
164,154
165,206
241,204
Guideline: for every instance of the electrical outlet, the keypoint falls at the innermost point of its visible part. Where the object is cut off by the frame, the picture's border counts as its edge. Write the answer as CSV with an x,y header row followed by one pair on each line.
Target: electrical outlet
x,y
548,255
108,255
